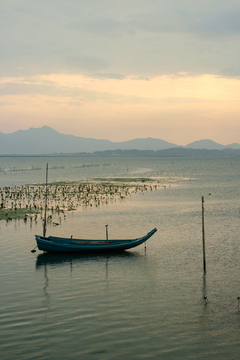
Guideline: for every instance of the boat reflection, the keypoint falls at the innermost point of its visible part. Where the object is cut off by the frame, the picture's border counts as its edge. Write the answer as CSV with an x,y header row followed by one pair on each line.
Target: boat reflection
x,y
49,264
45,291
58,259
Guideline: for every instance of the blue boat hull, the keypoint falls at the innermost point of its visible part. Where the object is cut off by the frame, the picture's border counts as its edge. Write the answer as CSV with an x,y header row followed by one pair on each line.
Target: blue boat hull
x,y
56,244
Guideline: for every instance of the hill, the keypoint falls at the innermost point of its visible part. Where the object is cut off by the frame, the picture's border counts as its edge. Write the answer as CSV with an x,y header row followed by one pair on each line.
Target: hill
x,y
46,141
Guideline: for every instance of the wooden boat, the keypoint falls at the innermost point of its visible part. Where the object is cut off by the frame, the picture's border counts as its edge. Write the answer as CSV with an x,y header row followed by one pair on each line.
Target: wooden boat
x,y
59,244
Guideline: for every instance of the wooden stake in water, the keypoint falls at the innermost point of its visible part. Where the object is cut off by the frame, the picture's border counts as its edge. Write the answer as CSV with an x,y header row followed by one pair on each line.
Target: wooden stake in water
x,y
45,214
106,232
203,237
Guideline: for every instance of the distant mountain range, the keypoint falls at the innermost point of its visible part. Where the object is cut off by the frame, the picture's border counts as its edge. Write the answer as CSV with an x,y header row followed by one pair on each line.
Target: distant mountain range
x,y
47,141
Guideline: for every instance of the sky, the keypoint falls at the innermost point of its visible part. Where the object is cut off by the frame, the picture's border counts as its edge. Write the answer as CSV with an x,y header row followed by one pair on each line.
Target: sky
x,y
120,70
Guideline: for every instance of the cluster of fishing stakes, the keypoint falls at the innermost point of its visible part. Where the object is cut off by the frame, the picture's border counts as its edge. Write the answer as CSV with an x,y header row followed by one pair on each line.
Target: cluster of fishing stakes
x,y
28,202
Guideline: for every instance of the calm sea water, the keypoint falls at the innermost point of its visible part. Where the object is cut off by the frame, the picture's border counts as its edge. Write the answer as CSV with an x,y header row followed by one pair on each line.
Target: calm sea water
x,y
142,304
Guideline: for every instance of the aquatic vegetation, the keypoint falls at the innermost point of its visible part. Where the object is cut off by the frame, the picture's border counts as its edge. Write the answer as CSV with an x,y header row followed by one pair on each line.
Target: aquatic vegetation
x,y
31,168
12,214
63,196
89,165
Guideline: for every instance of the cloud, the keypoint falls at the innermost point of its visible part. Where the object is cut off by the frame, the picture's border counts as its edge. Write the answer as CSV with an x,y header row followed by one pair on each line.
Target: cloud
x,y
127,38
191,17
104,75
76,63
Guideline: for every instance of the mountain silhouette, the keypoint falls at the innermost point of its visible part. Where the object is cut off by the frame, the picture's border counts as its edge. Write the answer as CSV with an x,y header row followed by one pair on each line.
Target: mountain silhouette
x,y
46,141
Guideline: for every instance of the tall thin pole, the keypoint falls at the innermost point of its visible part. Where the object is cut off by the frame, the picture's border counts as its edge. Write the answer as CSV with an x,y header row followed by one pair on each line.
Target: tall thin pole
x,y
45,214
203,237
106,232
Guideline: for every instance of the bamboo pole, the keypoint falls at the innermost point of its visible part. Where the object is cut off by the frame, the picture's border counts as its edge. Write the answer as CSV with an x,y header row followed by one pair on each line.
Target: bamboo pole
x,y
106,232
203,237
45,213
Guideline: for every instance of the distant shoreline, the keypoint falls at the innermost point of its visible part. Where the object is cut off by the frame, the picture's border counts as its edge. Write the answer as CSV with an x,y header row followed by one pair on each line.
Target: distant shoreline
x,y
172,152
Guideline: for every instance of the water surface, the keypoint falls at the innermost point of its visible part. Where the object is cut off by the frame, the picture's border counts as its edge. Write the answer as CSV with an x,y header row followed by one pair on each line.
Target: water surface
x,y
140,304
